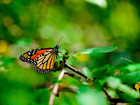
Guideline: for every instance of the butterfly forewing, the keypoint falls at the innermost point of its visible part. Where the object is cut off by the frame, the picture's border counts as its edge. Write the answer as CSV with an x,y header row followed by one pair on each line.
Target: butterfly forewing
x,y
42,59
30,56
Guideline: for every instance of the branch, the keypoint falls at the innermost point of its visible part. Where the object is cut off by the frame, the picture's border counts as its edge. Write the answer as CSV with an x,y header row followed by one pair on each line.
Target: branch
x,y
108,96
115,100
54,92
70,89
73,75
73,89
77,71
118,100
56,87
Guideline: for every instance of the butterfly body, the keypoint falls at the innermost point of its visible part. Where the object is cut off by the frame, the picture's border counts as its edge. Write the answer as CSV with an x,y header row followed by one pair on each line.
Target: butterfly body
x,y
42,59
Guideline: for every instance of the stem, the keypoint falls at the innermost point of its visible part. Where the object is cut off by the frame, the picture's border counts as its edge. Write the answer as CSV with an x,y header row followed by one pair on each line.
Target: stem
x,y
73,75
75,70
55,88
108,96
54,92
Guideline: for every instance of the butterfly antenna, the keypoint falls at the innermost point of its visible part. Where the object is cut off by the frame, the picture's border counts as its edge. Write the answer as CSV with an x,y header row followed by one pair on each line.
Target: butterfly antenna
x,y
59,40
62,44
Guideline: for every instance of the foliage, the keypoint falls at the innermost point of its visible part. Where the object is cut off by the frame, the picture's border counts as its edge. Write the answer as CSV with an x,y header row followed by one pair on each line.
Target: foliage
x,y
89,28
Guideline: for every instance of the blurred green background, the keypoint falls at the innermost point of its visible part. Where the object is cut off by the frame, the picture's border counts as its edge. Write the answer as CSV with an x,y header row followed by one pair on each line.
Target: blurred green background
x,y
32,24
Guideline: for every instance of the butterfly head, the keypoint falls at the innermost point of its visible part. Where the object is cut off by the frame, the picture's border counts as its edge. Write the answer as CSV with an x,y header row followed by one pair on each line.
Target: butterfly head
x,y
55,49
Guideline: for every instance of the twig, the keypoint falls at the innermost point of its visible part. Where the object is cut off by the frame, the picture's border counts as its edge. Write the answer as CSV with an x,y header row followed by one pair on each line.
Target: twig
x,y
108,96
71,89
118,100
67,89
55,88
61,74
73,75
115,100
75,70
54,92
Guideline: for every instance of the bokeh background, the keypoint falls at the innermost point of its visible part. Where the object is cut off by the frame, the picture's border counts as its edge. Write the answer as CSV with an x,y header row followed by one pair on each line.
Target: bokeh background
x,y
32,24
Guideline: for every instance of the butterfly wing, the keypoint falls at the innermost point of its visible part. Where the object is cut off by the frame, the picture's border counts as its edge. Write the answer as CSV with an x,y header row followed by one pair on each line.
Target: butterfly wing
x,y
45,62
42,59
30,56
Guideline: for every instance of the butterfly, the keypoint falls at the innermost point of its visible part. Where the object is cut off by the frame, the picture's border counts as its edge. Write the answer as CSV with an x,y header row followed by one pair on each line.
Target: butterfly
x,y
42,59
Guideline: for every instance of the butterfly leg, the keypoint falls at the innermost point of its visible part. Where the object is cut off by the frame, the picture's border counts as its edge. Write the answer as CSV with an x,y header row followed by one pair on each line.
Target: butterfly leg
x,y
55,67
58,68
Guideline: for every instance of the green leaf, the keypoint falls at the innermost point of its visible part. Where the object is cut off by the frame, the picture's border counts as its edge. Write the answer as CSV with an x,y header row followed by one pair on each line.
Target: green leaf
x,y
88,96
75,59
130,78
63,48
133,67
7,61
113,82
98,50
100,3
100,72
116,68
127,60
58,58
87,72
127,94
65,56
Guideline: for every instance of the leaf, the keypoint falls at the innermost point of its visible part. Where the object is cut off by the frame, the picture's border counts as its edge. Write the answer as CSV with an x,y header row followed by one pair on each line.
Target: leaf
x,y
116,68
133,67
89,96
63,48
65,56
113,82
100,3
98,50
100,72
130,78
127,60
87,72
58,58
7,61
127,94
83,58
75,59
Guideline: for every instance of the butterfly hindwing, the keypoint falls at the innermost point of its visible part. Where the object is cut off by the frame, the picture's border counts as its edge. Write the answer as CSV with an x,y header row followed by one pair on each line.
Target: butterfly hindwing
x,y
45,62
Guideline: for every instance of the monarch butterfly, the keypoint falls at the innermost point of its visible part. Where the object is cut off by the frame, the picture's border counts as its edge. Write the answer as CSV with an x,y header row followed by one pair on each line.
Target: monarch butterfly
x,y
42,59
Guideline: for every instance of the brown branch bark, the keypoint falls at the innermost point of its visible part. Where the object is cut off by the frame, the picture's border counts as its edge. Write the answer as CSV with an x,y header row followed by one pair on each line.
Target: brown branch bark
x,y
108,96
73,75
76,71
